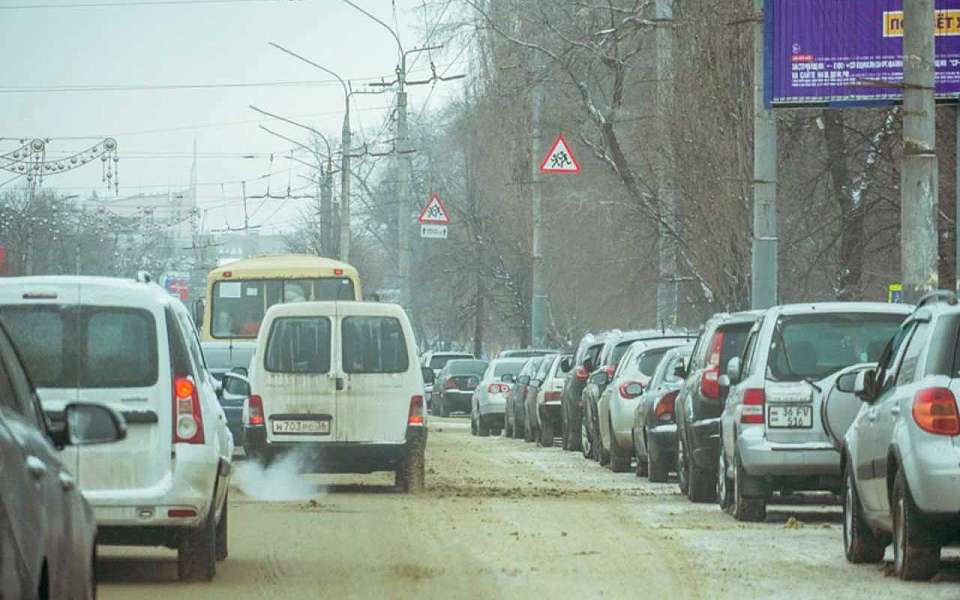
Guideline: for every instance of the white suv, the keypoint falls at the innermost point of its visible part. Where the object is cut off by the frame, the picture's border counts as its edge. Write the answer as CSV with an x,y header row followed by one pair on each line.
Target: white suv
x,y
339,383
132,346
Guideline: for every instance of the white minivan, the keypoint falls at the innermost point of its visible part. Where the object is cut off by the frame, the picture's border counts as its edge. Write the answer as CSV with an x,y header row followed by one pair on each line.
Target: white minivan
x,y
338,383
130,345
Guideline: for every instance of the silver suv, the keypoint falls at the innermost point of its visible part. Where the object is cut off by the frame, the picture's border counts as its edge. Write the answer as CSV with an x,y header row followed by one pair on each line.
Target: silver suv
x,y
771,432
901,455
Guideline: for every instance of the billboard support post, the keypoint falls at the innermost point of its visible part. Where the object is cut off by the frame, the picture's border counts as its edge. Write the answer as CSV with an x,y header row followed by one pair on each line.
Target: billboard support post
x,y
763,283
918,174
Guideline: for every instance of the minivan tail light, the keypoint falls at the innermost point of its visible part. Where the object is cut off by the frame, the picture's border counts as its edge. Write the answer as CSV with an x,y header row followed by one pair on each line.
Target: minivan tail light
x,y
255,410
753,403
935,411
710,380
664,410
187,416
497,388
415,416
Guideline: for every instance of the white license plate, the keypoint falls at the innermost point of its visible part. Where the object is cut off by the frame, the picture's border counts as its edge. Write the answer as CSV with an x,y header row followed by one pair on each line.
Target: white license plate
x,y
307,427
790,417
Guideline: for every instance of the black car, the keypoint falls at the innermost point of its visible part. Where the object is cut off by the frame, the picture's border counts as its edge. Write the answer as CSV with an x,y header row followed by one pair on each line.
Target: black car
x,y
571,399
700,402
47,529
453,389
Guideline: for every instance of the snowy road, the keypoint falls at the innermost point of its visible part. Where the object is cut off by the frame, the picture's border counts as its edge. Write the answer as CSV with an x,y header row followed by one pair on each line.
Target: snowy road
x,y
505,519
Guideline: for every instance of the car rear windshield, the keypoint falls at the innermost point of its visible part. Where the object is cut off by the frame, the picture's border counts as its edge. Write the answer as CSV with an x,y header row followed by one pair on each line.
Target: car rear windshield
x,y
506,368
813,346
439,361
299,345
374,345
650,359
85,346
467,367
619,350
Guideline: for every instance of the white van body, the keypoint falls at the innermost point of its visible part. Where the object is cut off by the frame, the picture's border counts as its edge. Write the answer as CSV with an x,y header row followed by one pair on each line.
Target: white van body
x,y
116,341
339,381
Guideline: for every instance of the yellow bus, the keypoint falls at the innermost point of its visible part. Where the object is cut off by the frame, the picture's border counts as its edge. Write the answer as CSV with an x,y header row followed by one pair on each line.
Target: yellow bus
x,y
238,294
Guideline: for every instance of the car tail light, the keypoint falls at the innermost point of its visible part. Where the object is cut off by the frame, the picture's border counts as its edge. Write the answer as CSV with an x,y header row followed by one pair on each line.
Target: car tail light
x,y
581,373
416,411
498,388
610,370
753,402
935,411
450,384
710,381
551,396
631,389
255,410
187,416
181,513
665,406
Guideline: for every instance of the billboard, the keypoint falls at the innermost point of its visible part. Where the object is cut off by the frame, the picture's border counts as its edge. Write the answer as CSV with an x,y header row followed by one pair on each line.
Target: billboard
x,y
841,52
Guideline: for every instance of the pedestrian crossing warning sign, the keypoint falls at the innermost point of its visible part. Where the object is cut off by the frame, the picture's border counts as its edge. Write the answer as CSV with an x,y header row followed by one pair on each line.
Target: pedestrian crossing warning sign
x,y
559,159
434,213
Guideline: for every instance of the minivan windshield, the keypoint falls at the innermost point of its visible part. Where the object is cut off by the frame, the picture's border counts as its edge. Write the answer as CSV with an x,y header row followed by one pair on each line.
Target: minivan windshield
x,y
84,347
812,346
467,367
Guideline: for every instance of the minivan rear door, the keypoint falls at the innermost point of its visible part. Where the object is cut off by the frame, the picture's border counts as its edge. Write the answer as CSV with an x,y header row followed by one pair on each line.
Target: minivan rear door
x,y
375,364
299,379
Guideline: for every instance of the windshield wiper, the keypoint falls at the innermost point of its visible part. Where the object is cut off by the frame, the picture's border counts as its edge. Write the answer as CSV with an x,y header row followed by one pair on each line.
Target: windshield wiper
x,y
786,359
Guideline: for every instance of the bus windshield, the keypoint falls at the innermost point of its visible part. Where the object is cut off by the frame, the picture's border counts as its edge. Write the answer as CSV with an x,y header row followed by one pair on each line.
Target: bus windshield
x,y
239,305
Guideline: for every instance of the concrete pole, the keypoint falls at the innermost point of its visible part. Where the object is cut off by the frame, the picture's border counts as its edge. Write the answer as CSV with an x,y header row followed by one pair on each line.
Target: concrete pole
x,y
345,142
326,207
406,168
918,175
666,192
764,284
538,305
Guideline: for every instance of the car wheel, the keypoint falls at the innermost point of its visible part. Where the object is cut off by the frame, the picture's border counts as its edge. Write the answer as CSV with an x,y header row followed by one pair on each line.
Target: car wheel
x,y
916,550
507,429
222,551
619,457
657,468
443,408
724,487
530,432
681,464
409,476
473,424
92,581
701,487
586,444
482,429
197,552
642,463
564,428
519,431
860,545
546,433
744,508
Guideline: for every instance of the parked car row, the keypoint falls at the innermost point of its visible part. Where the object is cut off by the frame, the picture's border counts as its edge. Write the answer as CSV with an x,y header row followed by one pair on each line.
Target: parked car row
x,y
856,399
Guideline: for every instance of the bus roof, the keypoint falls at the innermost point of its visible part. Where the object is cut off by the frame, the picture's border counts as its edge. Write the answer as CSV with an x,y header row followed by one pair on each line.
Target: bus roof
x,y
279,266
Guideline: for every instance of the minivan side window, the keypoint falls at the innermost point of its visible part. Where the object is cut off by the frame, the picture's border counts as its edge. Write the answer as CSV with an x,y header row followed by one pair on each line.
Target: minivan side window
x,y
374,345
179,355
299,345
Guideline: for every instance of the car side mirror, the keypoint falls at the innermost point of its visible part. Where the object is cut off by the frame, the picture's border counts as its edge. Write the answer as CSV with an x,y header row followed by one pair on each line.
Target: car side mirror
x,y
588,365
428,376
847,383
723,382
599,378
198,312
733,371
235,384
566,363
680,371
86,423
240,371
864,385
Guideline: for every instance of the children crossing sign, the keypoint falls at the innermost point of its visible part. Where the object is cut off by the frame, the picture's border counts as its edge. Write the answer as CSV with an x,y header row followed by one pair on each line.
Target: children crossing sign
x,y
434,219
559,159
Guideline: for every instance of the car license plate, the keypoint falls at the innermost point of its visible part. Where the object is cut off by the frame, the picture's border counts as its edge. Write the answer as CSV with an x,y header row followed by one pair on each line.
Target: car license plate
x,y
790,417
302,427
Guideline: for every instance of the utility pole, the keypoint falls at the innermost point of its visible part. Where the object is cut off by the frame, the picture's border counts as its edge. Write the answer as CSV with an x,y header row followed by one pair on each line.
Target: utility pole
x,y
918,175
666,192
327,232
345,174
764,284
538,303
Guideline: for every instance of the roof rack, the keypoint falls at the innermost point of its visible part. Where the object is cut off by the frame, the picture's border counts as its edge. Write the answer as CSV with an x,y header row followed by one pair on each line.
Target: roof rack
x,y
938,296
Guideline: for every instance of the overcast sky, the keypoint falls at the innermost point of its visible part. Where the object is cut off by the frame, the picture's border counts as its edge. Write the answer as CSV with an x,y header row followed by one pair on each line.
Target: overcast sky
x,y
199,43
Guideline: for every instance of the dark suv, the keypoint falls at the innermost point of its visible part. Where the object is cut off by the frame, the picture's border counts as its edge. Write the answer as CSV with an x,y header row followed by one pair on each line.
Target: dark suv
x,y
700,402
584,362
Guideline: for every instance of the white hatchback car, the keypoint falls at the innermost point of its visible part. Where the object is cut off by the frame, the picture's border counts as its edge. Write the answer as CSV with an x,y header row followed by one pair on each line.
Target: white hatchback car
x,y
338,382
132,346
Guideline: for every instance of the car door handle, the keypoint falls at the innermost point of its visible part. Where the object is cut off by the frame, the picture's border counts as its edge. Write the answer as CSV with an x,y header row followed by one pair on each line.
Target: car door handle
x,y
895,411
36,467
66,481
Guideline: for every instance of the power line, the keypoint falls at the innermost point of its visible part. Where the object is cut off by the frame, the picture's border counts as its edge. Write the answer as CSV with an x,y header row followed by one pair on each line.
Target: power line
x,y
139,3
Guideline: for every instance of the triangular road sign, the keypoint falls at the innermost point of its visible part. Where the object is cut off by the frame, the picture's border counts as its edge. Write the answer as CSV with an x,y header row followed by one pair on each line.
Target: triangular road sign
x,y
434,213
560,159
